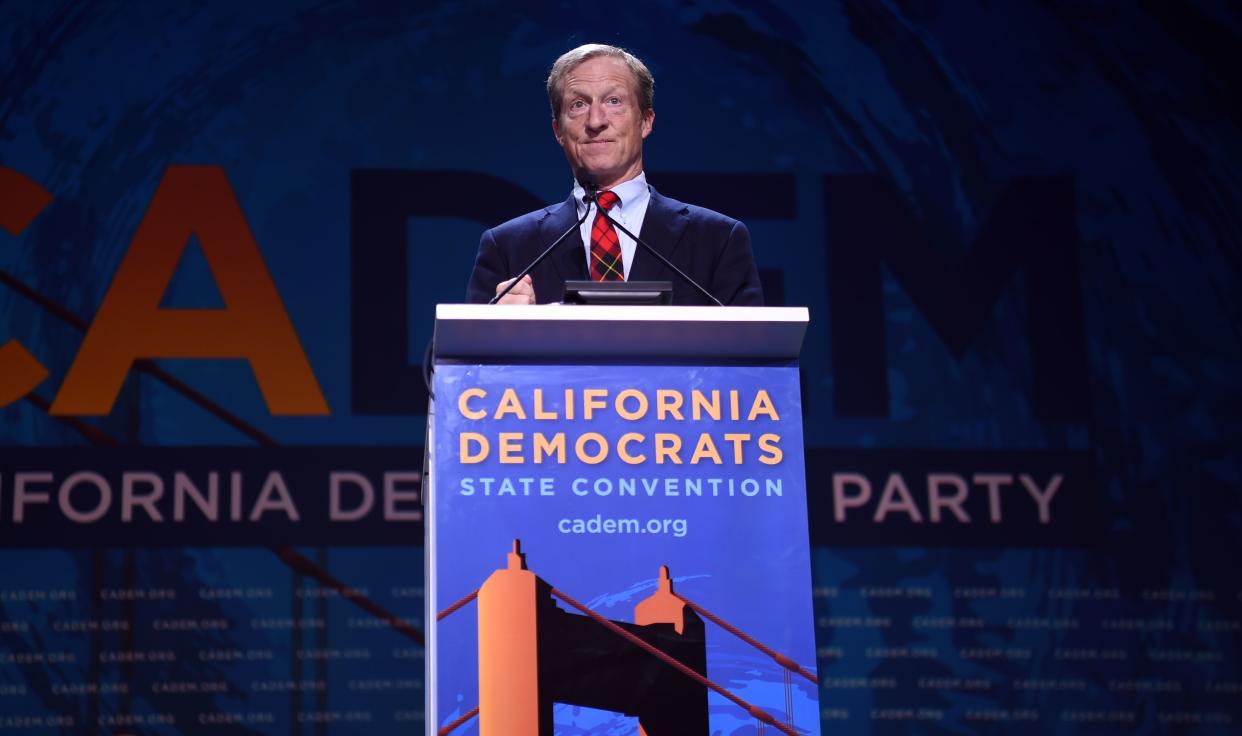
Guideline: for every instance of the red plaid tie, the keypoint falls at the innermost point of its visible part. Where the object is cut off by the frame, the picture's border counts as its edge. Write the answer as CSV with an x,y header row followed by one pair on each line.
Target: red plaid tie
x,y
606,262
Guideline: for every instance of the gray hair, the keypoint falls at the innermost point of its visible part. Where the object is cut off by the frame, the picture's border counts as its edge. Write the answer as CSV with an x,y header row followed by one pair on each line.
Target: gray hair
x,y
571,59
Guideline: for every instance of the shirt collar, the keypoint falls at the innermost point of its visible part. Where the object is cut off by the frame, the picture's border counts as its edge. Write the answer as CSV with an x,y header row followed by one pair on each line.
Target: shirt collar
x,y
631,192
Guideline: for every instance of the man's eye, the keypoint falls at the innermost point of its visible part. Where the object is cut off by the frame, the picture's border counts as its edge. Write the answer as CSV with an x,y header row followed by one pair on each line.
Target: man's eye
x,y
614,100
577,104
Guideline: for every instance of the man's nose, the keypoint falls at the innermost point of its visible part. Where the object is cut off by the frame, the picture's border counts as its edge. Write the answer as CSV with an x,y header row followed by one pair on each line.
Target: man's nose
x,y
597,117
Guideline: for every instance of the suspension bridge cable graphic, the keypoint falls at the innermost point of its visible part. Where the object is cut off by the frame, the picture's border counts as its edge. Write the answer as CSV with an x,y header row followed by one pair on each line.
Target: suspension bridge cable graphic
x,y
780,659
758,713
449,727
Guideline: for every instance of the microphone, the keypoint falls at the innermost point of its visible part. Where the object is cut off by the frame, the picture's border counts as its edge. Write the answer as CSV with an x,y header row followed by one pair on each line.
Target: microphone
x,y
590,196
590,187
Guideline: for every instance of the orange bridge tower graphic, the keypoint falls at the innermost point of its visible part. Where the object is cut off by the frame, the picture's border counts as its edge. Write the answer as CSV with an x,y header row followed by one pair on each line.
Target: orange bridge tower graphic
x,y
533,654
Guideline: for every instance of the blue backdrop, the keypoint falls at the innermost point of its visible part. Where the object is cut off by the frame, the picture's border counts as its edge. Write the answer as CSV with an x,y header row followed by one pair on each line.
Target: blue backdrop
x,y
1016,227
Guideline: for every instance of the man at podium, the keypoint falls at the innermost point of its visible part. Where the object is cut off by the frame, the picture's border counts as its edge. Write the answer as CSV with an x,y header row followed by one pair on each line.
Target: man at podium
x,y
601,98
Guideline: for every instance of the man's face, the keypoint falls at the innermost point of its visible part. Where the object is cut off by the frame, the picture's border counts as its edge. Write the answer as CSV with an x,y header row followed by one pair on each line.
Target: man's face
x,y
600,126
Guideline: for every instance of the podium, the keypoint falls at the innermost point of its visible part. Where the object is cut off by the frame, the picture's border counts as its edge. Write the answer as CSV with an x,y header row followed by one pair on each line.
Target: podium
x,y
616,522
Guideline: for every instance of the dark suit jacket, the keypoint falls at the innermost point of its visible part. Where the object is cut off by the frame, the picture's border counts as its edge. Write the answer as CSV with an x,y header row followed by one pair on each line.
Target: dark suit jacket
x,y
710,248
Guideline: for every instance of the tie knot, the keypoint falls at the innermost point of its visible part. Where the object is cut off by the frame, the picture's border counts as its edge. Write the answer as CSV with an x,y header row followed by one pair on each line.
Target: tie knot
x,y
608,199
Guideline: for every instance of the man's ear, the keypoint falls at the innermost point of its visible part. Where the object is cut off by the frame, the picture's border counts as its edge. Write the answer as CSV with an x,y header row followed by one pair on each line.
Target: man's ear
x,y
556,132
648,122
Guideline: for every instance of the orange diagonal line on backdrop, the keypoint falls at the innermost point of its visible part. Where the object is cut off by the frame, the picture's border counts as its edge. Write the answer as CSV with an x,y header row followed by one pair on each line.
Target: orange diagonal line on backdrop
x,y
96,436
145,366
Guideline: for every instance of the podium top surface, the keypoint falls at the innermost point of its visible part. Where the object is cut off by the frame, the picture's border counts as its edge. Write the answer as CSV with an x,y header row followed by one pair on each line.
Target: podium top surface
x,y
625,333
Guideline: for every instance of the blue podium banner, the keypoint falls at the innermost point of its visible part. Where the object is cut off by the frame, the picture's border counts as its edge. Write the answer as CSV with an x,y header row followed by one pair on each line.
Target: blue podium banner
x,y
609,475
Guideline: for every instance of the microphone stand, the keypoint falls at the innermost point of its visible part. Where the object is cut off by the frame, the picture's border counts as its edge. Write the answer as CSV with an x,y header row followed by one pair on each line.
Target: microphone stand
x,y
539,259
592,195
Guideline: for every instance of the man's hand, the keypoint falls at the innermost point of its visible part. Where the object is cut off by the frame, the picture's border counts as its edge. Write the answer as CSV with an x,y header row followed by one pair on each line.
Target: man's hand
x,y
523,293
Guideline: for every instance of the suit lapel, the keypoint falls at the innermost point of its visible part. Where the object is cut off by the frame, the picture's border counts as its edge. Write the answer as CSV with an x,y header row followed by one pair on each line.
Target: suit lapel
x,y
662,229
569,260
